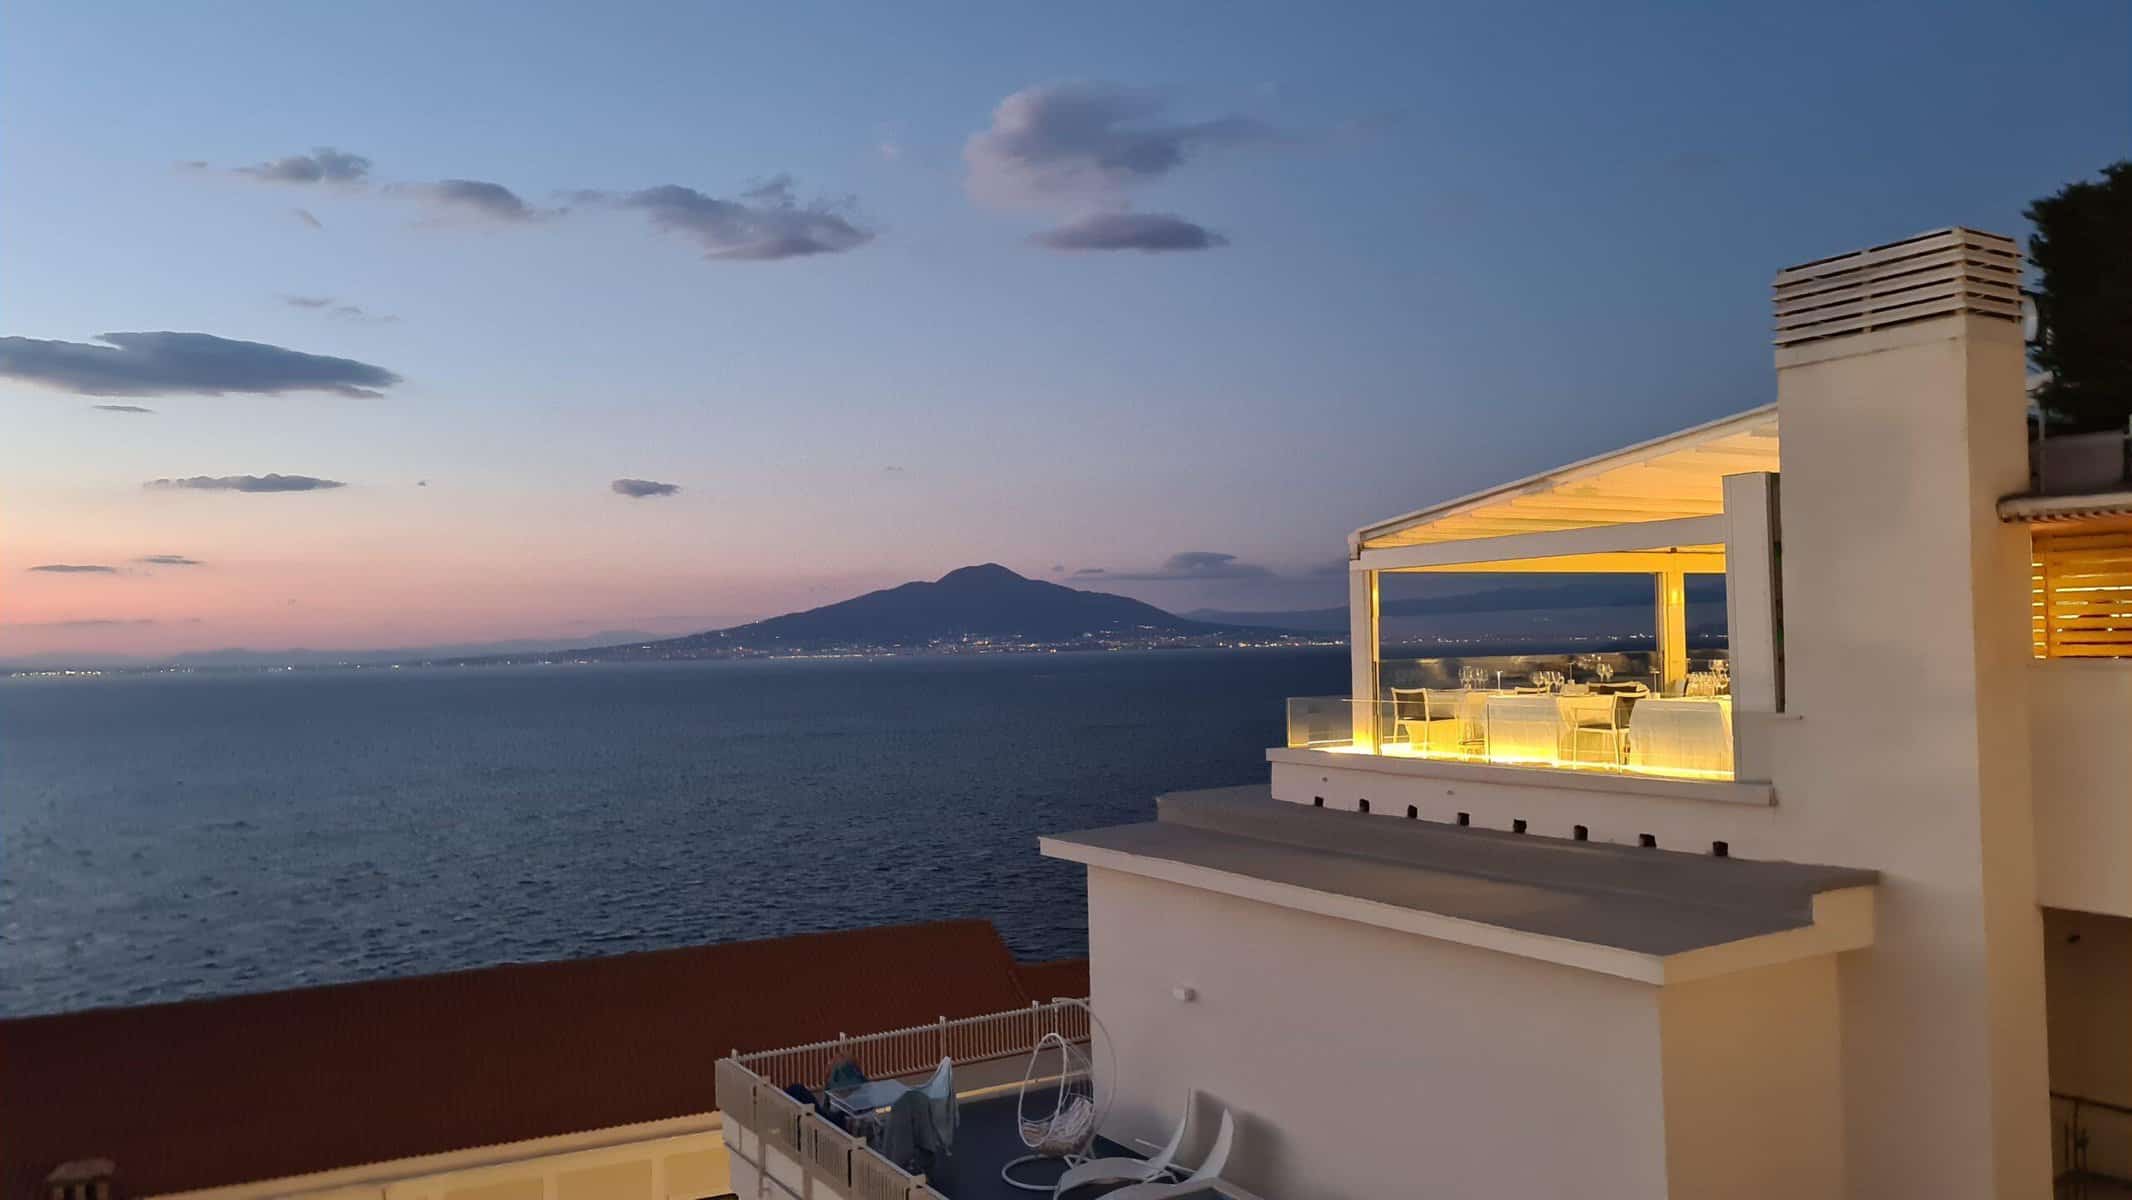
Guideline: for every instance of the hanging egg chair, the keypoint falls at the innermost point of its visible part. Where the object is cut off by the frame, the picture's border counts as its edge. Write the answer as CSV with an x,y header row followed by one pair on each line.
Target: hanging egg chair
x,y
1056,1121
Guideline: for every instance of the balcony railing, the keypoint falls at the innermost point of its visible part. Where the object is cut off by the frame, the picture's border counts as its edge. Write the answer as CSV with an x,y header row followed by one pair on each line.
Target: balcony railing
x,y
917,1049
752,1097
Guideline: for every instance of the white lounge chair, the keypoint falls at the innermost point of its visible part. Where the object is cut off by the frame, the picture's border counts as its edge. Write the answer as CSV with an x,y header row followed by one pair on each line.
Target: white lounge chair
x,y
1128,1170
1208,1171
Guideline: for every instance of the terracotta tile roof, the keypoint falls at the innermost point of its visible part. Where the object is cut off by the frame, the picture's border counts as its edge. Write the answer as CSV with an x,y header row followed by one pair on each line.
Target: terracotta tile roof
x,y
241,1088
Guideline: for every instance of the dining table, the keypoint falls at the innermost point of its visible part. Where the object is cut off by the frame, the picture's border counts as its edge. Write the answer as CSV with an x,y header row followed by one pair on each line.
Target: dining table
x,y
1689,735
1524,727
1536,726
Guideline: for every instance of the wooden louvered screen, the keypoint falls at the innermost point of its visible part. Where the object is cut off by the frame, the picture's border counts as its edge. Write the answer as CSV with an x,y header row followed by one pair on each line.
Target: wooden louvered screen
x,y
2081,594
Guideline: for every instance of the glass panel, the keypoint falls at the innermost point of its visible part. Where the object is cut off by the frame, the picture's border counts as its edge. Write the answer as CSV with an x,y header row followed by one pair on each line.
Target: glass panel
x,y
1320,722
1582,722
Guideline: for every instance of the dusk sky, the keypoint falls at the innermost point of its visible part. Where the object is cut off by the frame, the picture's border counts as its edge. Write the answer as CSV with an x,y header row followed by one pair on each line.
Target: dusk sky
x,y
529,320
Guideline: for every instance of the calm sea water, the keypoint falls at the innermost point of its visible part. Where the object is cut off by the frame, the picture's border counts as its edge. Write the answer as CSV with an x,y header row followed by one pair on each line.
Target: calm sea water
x,y
171,836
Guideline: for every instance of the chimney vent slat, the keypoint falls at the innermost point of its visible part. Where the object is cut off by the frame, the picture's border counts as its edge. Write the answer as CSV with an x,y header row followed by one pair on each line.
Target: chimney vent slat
x,y
1935,274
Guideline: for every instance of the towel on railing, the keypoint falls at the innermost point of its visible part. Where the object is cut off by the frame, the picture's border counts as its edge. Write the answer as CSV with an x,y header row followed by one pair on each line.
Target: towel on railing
x,y
911,1139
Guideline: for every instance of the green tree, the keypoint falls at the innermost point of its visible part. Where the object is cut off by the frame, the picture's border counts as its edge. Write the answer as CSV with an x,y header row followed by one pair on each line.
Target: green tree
x,y
2082,251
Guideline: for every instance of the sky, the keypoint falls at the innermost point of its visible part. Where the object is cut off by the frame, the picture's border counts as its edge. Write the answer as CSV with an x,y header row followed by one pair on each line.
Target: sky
x,y
369,325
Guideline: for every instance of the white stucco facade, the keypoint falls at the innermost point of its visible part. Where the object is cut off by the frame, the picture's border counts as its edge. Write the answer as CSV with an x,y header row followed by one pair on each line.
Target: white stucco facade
x,y
1358,1055
1888,715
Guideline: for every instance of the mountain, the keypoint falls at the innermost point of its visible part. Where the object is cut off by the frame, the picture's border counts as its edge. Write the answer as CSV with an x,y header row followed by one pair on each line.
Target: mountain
x,y
987,601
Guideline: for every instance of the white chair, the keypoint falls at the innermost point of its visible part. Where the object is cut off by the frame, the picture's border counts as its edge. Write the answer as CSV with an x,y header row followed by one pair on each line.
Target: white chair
x,y
1069,1128
1209,1171
1410,714
1128,1170
1597,719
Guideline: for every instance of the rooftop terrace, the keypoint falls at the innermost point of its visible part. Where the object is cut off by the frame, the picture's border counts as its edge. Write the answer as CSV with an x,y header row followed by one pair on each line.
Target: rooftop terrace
x,y
775,1135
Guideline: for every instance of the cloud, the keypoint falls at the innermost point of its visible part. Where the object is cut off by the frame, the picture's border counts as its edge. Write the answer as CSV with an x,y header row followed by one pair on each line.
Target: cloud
x,y
168,560
339,311
83,623
356,312
489,201
121,408
323,165
1091,571
75,569
639,489
1149,233
1191,564
166,363
1079,145
244,483
763,224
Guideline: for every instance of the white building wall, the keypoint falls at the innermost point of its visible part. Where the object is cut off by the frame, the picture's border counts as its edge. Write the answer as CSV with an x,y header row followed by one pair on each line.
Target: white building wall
x,y
1906,644
1754,1083
1619,809
679,1159
1363,1063
2081,723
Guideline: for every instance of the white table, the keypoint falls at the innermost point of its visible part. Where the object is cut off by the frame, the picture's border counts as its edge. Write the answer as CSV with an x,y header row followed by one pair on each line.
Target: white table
x,y
1684,734
1473,717
1524,728
1538,727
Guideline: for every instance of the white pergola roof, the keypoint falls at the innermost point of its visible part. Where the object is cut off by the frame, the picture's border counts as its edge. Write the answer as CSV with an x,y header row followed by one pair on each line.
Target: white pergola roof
x,y
1672,478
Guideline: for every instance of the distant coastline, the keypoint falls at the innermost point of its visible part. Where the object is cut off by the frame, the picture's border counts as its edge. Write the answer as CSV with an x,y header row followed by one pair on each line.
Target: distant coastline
x,y
988,609
1492,645
603,657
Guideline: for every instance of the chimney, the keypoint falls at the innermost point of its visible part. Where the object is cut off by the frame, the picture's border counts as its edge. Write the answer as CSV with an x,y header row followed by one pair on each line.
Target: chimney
x,y
1900,393
1917,279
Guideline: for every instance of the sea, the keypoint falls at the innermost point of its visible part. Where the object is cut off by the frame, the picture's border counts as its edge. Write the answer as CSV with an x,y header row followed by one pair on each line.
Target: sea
x,y
172,836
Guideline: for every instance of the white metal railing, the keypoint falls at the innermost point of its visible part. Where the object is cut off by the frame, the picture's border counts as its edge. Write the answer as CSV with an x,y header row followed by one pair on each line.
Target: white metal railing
x,y
751,1093
919,1048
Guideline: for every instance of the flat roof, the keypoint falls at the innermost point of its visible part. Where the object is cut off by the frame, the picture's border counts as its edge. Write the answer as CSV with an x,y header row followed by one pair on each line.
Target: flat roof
x,y
1648,904
1666,478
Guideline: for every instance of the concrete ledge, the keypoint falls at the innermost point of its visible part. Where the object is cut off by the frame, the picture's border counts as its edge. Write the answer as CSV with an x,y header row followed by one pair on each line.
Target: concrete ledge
x,y
1653,916
1758,795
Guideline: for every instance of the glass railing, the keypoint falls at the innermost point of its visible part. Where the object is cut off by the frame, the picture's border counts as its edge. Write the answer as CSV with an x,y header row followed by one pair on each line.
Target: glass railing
x,y
1609,727
1325,722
